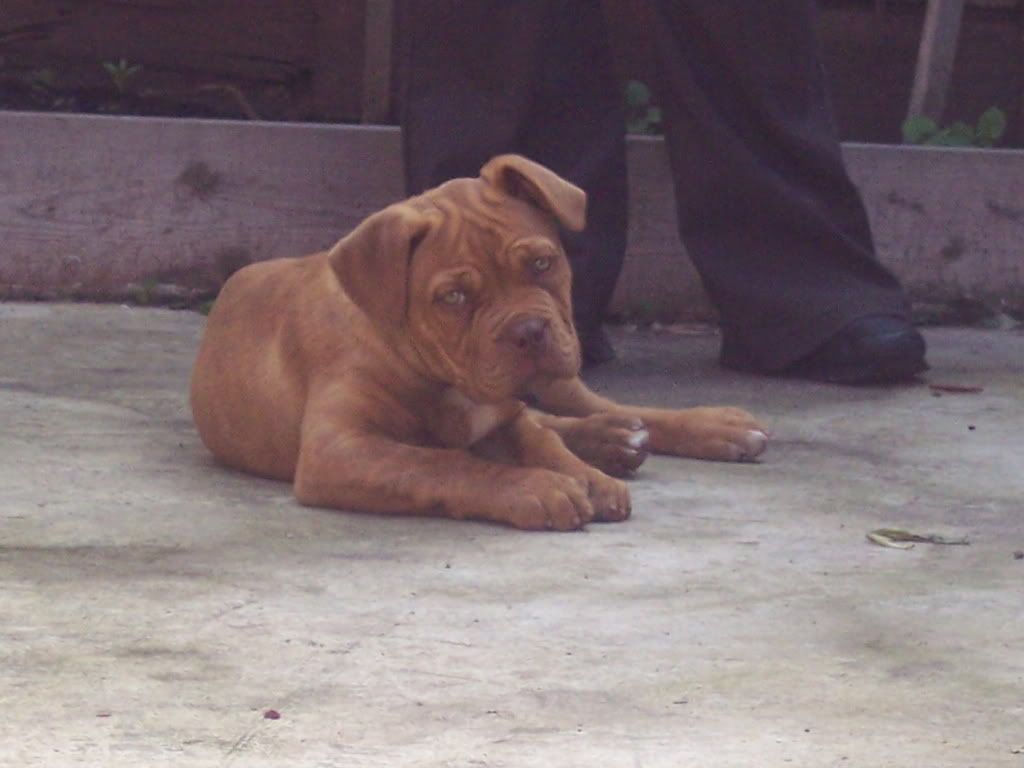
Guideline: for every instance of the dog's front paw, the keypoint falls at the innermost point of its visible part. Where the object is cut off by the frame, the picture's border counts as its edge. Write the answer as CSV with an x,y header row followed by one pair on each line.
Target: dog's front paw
x,y
614,443
718,434
608,496
544,500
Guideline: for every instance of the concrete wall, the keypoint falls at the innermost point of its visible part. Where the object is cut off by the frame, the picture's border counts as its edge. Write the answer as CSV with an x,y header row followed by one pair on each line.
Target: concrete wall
x,y
115,208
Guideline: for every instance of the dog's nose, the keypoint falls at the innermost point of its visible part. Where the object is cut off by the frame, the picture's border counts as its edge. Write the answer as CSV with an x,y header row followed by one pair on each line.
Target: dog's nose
x,y
528,334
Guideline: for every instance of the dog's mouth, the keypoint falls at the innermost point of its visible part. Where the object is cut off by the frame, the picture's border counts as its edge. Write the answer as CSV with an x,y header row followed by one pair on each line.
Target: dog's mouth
x,y
515,371
528,372
554,366
518,386
508,359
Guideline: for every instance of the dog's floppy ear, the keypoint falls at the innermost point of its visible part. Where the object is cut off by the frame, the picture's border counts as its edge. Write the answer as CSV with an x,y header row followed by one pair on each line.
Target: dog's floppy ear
x,y
516,176
372,262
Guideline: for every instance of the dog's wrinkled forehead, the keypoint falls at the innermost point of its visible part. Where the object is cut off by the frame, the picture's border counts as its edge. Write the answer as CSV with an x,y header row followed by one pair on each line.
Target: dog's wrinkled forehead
x,y
474,219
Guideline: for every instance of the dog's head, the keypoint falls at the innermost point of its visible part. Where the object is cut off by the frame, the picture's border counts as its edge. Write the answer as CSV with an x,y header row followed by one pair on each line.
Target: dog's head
x,y
473,276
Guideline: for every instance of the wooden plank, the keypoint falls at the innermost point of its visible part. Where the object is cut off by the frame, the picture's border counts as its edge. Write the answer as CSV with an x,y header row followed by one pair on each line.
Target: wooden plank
x,y
380,16
935,58
948,222
95,207
101,208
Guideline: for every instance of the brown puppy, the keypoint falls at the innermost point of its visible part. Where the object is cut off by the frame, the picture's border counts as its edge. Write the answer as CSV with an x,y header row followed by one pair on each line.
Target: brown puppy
x,y
386,374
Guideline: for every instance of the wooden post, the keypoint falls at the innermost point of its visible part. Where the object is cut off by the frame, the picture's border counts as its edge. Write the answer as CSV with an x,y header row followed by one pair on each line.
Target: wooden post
x,y
380,16
935,58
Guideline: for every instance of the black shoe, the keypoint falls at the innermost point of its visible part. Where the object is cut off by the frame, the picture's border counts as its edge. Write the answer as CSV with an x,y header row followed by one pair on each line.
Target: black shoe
x,y
878,349
597,349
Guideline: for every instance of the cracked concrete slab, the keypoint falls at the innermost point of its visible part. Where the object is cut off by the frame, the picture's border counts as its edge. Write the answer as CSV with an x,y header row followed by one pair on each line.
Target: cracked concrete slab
x,y
153,606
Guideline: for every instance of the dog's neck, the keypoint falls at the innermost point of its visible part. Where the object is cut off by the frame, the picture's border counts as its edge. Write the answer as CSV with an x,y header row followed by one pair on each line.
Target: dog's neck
x,y
459,422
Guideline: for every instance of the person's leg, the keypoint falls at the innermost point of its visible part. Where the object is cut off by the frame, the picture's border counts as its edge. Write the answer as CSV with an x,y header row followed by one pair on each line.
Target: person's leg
x,y
766,209
577,127
484,77
470,69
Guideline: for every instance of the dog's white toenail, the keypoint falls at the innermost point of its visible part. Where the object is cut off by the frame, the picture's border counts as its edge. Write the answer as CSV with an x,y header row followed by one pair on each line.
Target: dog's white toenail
x,y
639,438
756,441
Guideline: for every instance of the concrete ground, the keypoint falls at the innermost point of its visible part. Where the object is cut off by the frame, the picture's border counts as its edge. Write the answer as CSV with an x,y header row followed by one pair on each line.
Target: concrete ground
x,y
153,606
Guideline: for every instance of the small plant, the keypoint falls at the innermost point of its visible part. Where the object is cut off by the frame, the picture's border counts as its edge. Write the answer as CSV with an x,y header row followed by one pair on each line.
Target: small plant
x,y
641,116
121,72
41,80
642,314
144,294
989,129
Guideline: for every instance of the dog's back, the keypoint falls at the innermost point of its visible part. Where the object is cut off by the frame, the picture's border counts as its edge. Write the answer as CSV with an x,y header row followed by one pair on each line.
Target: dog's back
x,y
246,391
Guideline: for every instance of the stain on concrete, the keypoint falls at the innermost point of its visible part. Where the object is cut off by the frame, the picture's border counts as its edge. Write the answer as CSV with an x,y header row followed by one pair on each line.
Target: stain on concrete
x,y
953,250
836,449
17,386
152,651
148,553
920,669
200,180
43,209
59,563
1008,212
896,200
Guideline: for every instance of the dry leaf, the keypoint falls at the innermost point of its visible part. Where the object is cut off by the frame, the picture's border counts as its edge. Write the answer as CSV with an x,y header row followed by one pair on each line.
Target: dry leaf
x,y
884,541
898,534
897,538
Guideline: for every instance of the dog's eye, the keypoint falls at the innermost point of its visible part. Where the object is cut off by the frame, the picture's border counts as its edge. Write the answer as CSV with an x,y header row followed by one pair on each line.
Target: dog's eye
x,y
453,298
541,264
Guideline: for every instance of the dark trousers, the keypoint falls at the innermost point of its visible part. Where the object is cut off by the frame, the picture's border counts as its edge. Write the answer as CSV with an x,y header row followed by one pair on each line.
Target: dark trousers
x,y
766,210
